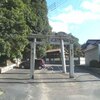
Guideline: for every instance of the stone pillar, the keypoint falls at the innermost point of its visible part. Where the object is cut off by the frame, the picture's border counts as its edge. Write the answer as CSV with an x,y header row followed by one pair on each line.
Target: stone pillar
x,y
63,56
71,73
99,51
32,60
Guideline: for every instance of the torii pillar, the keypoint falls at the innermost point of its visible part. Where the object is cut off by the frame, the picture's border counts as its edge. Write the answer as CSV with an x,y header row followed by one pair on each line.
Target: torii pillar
x,y
99,51
71,72
32,58
63,56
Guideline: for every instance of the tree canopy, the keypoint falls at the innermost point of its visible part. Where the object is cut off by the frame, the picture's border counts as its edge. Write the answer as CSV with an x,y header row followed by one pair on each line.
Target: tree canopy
x,y
19,18
39,7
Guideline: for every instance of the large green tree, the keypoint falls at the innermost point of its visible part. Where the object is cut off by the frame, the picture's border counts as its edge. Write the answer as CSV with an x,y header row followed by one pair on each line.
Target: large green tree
x,y
19,18
13,28
39,7
41,26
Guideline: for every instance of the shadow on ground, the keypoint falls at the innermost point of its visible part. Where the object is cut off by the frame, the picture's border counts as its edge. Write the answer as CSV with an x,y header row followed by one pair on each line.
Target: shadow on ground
x,y
22,76
77,69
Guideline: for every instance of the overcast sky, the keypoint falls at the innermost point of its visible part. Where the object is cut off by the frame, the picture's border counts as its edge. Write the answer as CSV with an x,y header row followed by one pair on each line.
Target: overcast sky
x,y
79,17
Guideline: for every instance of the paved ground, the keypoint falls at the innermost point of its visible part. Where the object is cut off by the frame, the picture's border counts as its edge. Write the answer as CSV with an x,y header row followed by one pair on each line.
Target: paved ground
x,y
49,84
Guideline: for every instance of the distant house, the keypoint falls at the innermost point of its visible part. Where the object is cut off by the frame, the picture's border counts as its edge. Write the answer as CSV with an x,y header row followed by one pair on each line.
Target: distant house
x,y
92,50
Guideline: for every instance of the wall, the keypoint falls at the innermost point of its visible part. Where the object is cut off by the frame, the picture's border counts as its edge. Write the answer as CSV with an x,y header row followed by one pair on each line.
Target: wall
x,y
91,54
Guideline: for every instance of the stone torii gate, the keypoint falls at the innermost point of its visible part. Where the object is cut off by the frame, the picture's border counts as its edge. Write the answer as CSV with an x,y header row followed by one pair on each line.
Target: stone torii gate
x,y
61,40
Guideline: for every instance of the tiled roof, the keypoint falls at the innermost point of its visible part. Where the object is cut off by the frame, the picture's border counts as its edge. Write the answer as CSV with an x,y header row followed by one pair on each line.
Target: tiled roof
x,y
94,42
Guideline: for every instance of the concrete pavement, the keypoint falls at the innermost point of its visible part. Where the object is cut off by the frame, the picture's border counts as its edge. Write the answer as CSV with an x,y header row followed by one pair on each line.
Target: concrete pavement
x,y
49,84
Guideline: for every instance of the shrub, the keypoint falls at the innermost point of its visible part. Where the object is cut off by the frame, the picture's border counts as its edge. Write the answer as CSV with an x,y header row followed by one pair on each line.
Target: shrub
x,y
99,64
94,63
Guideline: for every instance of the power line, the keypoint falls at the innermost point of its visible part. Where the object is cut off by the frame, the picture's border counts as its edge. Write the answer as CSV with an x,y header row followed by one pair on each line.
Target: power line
x,y
55,5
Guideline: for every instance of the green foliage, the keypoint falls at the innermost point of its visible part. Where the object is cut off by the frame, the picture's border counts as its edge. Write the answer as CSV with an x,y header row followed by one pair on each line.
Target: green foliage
x,y
41,51
78,51
3,61
40,9
48,46
19,18
77,47
39,25
13,28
